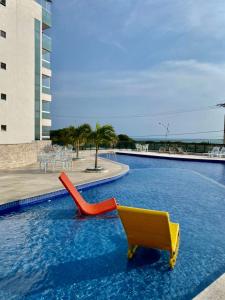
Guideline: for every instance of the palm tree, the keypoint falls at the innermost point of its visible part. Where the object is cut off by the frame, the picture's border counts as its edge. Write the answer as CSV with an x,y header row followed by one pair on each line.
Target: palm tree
x,y
80,135
102,135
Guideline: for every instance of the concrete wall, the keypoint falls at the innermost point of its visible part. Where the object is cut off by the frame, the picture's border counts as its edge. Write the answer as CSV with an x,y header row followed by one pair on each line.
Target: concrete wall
x,y
19,155
18,81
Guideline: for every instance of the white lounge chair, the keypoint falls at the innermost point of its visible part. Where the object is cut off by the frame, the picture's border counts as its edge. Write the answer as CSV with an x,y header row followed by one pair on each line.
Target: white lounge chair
x,y
138,147
222,152
214,152
162,149
145,147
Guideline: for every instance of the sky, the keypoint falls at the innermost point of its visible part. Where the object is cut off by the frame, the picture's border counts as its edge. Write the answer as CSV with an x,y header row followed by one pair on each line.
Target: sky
x,y
140,65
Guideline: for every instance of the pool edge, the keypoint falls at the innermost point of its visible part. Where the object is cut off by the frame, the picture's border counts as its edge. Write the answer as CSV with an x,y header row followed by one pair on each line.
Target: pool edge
x,y
171,156
16,205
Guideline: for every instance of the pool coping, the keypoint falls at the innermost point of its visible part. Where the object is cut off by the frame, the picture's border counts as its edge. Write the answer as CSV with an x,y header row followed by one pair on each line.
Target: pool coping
x,y
16,205
182,157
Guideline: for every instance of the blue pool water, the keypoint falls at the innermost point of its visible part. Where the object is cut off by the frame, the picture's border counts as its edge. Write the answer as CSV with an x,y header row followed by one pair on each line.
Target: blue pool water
x,y
47,252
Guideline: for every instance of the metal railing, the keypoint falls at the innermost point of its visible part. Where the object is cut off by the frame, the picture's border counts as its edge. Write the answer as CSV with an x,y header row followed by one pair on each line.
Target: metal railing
x,y
167,147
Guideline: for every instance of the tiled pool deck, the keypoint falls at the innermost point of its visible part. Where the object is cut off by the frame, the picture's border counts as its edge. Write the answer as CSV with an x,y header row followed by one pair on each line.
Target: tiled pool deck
x,y
174,156
29,181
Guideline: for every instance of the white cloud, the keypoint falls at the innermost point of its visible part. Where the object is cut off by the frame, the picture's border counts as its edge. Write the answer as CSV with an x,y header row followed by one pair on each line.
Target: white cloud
x,y
198,17
189,81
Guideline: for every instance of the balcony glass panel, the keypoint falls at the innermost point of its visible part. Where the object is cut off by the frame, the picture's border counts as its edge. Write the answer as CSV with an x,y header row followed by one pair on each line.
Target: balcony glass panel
x,y
46,64
46,81
46,90
46,18
46,42
46,55
46,4
46,59
46,116
46,130
46,105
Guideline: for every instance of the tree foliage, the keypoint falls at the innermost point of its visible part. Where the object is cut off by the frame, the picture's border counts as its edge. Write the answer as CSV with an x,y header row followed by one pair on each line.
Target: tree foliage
x,y
102,135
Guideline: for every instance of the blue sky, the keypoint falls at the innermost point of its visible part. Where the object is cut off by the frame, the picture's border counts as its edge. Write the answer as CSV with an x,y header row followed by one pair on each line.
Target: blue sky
x,y
139,63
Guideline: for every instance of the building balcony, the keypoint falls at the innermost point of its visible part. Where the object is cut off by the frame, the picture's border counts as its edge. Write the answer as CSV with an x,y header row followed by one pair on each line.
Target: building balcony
x,y
46,42
46,90
46,19
45,130
46,97
47,122
46,115
45,70
46,64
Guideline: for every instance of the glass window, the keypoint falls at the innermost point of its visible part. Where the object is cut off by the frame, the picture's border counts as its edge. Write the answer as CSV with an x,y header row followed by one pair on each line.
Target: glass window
x,y
46,55
3,66
3,96
3,127
46,81
46,115
46,105
46,130
3,33
3,2
46,4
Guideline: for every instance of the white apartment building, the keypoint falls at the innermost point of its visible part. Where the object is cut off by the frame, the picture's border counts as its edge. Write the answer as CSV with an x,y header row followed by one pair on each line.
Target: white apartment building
x,y
25,71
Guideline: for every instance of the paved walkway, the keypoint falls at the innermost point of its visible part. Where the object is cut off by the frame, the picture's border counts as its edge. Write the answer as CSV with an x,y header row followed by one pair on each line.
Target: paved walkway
x,y
196,157
215,291
30,181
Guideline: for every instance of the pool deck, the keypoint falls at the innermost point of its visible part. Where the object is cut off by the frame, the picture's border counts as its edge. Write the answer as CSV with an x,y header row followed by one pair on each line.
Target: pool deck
x,y
190,157
215,291
30,181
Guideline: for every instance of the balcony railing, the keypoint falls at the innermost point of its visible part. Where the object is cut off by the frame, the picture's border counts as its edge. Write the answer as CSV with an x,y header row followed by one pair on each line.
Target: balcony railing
x,y
46,42
46,64
46,19
46,90
46,116
46,4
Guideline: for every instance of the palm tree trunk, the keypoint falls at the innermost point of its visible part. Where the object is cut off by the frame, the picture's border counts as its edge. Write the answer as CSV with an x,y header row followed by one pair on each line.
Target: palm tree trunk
x,y
77,148
96,157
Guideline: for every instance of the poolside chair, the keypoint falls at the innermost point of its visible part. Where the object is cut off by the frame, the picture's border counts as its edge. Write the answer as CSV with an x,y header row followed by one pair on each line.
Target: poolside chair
x,y
180,150
162,149
150,228
84,207
138,147
222,152
214,152
172,150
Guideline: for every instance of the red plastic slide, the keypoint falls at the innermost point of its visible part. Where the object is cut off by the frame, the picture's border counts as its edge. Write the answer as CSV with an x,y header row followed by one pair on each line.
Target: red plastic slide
x,y
84,207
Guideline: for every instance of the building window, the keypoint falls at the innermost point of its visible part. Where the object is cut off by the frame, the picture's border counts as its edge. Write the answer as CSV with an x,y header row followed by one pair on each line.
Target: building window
x,y
46,115
3,66
46,106
46,4
46,81
3,2
3,33
46,131
3,96
3,128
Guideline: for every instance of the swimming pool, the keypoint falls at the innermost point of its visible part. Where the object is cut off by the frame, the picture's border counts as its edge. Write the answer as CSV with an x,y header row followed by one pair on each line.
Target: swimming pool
x,y
46,252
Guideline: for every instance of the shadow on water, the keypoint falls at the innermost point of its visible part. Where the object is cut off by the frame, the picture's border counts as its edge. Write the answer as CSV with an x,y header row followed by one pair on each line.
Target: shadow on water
x,y
79,270
72,214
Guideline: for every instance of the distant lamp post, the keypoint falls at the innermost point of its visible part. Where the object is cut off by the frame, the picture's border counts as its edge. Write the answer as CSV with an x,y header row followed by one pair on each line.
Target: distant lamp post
x,y
166,127
222,105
